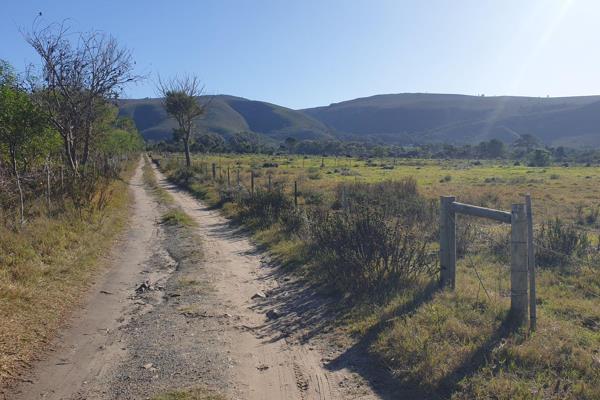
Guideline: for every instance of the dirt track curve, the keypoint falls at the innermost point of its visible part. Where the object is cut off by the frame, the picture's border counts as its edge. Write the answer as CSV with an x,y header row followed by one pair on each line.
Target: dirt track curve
x,y
199,321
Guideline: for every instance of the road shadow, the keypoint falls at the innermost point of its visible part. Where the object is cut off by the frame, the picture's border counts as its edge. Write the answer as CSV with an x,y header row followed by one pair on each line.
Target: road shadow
x,y
360,360
306,313
478,358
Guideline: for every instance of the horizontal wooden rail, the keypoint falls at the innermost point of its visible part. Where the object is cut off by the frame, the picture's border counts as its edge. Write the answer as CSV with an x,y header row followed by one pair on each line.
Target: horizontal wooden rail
x,y
482,212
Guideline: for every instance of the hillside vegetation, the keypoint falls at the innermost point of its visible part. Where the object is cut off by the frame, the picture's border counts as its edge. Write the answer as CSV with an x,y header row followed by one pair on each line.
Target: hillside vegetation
x,y
407,118
226,116
365,231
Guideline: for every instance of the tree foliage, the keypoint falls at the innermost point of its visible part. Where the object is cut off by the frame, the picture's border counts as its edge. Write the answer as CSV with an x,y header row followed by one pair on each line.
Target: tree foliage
x,y
80,73
181,101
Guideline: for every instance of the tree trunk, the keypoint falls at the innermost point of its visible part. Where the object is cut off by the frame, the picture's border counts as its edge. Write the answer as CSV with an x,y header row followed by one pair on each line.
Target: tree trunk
x,y
71,154
186,147
86,146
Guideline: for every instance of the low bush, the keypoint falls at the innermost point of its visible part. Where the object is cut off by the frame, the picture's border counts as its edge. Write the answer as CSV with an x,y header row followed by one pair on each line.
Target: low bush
x,y
377,237
264,208
559,244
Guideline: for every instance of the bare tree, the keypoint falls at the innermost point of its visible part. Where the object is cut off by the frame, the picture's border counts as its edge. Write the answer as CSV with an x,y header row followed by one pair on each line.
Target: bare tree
x,y
181,101
81,72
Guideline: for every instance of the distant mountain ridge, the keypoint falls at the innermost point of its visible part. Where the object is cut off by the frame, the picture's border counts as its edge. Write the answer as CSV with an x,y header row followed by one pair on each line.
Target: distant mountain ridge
x,y
404,118
227,115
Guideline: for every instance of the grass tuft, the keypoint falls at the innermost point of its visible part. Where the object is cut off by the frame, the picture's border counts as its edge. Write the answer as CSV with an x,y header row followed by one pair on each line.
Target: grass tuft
x,y
177,217
189,394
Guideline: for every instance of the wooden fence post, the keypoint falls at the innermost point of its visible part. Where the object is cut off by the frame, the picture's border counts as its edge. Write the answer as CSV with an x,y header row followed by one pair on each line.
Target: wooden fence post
x,y
531,265
296,194
518,264
252,182
214,171
228,177
447,243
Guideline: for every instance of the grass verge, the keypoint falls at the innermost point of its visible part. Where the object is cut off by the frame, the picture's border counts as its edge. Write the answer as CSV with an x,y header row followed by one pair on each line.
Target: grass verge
x,y
44,269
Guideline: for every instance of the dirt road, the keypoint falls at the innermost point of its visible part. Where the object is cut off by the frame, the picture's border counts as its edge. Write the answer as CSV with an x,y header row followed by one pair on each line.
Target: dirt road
x,y
181,308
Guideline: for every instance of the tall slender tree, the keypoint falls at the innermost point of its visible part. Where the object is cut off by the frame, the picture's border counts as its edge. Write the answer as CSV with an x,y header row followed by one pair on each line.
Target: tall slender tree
x,y
181,96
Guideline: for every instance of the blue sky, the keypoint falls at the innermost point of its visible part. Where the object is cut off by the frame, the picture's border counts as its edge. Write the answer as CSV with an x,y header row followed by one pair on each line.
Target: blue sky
x,y
310,53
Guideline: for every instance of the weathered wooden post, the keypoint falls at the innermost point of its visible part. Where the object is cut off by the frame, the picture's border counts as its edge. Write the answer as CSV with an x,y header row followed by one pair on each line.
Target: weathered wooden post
x,y
518,264
48,182
296,194
447,243
214,171
252,182
228,177
531,265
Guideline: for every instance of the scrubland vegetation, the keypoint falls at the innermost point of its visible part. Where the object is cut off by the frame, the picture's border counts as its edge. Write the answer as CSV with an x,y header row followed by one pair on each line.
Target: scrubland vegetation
x,y
366,230
65,158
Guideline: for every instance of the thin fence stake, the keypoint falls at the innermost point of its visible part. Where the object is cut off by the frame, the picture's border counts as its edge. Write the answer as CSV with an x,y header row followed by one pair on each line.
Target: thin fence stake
x,y
531,265
296,194
48,182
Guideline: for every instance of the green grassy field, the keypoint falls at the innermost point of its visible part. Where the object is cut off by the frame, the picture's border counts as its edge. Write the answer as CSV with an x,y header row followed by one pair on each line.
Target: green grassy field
x,y
554,189
456,344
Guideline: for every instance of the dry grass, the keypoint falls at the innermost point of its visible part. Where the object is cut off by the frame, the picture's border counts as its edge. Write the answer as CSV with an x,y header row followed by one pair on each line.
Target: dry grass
x,y
45,267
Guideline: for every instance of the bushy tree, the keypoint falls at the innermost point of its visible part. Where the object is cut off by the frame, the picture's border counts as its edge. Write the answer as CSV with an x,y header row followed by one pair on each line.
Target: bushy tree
x,y
181,101
25,134
493,148
245,142
80,73
539,158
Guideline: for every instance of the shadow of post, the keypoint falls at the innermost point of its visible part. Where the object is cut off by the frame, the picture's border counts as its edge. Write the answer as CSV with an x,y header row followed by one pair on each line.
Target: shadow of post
x,y
380,377
478,358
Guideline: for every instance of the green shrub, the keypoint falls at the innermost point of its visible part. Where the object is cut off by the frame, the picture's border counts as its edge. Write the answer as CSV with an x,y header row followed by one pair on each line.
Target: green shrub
x,y
264,208
559,244
377,237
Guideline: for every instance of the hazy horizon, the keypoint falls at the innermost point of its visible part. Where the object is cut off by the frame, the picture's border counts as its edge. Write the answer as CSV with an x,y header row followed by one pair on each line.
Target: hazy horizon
x,y
379,94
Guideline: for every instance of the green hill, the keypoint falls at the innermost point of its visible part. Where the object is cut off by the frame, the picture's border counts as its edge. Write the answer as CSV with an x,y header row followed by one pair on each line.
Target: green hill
x,y
227,115
392,118
421,117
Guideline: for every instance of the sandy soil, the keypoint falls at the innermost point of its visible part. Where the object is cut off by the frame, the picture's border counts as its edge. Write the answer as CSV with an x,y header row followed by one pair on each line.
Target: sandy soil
x,y
217,314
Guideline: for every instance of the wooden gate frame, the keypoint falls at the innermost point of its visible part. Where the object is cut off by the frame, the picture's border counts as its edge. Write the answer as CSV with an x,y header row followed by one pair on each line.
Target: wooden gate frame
x,y
521,250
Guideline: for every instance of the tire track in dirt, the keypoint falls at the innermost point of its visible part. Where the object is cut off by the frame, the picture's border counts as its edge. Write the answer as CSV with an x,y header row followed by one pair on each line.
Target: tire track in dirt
x,y
267,363
200,327
85,351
